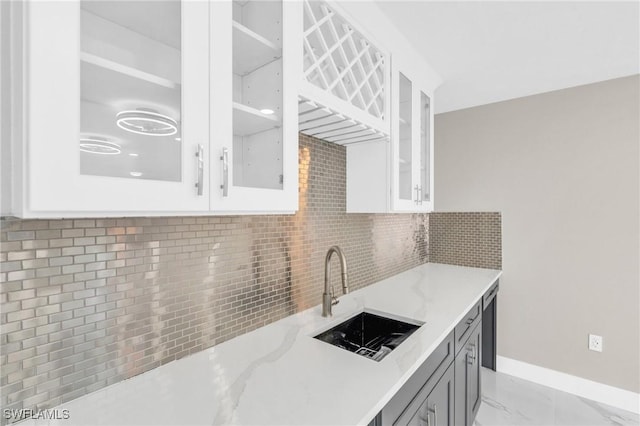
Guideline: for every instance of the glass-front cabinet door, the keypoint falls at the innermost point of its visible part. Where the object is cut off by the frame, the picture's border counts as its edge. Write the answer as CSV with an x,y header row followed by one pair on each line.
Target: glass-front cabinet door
x,y
254,60
425,183
404,139
412,143
118,106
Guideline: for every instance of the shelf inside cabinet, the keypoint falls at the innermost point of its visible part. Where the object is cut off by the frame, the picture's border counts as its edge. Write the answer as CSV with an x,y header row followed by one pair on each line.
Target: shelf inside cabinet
x,y
248,121
122,91
324,123
110,65
251,50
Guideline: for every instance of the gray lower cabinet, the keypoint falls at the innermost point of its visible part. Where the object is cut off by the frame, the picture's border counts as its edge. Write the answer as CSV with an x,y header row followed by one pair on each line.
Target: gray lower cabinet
x,y
409,400
446,389
467,364
438,408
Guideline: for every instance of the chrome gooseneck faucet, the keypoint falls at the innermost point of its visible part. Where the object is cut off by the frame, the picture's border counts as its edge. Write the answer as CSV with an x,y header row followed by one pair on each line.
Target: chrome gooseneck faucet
x,y
328,299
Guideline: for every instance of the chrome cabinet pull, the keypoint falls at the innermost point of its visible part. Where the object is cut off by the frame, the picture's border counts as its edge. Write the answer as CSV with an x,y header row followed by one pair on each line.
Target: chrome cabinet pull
x,y
417,189
471,357
200,168
225,172
420,195
493,290
434,411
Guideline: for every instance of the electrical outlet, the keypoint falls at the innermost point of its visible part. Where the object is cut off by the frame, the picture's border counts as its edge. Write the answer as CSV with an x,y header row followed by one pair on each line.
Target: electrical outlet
x,y
595,343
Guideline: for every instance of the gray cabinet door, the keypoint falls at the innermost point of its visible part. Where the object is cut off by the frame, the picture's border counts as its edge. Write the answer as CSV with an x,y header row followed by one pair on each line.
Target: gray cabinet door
x,y
468,394
402,407
474,393
437,409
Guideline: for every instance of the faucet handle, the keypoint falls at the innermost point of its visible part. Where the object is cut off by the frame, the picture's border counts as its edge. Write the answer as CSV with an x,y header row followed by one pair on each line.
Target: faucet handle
x,y
334,300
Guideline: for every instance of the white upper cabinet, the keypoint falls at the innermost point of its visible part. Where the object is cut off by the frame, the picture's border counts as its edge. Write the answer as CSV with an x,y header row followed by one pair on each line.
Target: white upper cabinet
x,y
412,142
115,107
255,62
397,176
155,107
373,95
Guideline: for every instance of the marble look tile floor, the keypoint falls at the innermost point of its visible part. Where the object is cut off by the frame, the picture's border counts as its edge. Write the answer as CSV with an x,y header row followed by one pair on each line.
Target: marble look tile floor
x,y
508,400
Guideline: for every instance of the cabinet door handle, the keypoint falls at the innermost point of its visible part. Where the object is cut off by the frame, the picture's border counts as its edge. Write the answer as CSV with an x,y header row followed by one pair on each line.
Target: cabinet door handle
x,y
493,290
420,195
225,172
471,356
417,189
434,410
200,167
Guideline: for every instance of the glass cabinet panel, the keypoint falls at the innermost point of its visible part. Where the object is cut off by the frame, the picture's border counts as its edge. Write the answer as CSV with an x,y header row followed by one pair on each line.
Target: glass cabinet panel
x,y
425,145
257,94
405,142
131,89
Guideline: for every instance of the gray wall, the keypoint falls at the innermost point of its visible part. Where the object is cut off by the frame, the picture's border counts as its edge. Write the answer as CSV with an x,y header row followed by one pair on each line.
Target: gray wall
x,y
562,167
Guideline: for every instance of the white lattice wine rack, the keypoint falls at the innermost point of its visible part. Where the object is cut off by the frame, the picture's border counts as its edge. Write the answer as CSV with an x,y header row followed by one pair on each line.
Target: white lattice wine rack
x,y
349,75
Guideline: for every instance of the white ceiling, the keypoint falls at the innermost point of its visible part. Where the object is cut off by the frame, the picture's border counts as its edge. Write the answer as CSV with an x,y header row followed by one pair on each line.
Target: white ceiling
x,y
492,51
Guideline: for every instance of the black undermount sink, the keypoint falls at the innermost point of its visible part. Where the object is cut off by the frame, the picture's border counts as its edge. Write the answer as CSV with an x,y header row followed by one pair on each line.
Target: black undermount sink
x,y
369,335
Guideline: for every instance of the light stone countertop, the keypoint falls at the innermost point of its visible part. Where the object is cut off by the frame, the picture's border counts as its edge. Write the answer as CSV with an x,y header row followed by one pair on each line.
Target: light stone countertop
x,y
280,375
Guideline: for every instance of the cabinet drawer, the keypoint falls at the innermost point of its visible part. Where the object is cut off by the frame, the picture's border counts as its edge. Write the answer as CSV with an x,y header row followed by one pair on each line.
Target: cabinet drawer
x,y
490,294
466,325
405,403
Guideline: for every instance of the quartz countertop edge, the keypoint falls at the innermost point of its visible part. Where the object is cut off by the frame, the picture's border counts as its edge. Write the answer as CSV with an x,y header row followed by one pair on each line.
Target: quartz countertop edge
x,y
280,375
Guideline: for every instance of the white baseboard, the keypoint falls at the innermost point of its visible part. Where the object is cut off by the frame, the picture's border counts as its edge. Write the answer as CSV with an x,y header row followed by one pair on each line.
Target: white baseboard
x,y
595,391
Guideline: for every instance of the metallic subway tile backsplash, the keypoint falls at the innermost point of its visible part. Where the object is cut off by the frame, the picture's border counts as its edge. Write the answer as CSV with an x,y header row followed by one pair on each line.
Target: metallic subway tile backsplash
x,y
88,303
466,239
